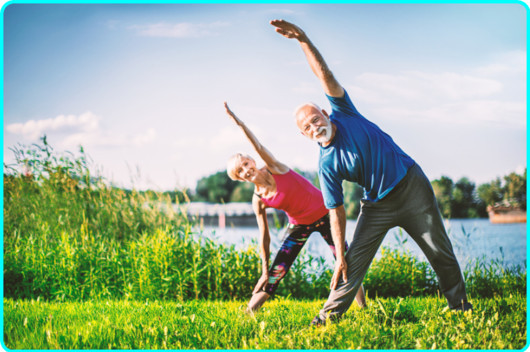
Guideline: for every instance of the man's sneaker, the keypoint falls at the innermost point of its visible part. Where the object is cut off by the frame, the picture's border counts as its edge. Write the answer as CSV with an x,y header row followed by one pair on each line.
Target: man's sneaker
x,y
464,307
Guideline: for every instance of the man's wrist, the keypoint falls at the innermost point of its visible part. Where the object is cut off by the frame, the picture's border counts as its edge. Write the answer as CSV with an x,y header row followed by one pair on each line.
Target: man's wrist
x,y
304,39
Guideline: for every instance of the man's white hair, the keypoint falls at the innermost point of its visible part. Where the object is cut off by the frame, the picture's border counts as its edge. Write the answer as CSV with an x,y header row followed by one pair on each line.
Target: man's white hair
x,y
302,106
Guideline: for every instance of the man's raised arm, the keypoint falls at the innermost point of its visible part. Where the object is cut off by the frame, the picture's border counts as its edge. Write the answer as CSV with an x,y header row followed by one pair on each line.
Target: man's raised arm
x,y
315,60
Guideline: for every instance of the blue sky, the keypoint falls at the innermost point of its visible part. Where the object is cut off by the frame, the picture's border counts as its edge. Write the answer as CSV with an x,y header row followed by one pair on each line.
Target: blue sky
x,y
142,87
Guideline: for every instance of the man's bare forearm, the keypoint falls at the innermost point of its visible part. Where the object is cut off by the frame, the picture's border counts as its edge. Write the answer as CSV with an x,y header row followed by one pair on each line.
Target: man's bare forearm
x,y
337,219
320,68
314,58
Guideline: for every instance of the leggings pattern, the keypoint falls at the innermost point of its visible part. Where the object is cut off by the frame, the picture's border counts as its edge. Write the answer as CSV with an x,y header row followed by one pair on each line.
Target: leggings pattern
x,y
295,238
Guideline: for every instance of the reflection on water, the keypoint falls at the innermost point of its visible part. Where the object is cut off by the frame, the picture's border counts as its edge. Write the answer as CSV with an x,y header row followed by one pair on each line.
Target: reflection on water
x,y
472,239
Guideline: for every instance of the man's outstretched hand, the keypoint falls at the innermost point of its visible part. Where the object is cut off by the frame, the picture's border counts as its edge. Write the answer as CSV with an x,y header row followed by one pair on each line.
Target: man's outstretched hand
x,y
341,270
289,30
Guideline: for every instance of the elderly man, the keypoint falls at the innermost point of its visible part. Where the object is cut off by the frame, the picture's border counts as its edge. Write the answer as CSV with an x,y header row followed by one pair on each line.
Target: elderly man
x,y
396,191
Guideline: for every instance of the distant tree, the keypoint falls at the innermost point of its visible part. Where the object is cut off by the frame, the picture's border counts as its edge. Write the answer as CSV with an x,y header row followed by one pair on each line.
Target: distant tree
x,y
353,194
178,196
491,193
512,190
443,189
455,200
243,192
515,189
215,188
464,203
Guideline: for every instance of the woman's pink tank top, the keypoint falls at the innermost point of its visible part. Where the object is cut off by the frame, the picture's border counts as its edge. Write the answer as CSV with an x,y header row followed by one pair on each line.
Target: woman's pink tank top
x,y
295,195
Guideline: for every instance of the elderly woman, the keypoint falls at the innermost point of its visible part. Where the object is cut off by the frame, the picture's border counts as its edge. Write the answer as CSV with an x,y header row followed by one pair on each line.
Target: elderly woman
x,y
277,186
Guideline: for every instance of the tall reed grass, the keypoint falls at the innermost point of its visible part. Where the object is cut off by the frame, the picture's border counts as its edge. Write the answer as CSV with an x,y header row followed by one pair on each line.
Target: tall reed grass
x,y
68,235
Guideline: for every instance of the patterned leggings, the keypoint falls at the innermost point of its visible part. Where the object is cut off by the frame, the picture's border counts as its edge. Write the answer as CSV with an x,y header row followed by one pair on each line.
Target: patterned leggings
x,y
295,238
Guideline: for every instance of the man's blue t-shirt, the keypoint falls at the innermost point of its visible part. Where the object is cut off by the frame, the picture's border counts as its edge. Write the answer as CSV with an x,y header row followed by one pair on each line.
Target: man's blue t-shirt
x,y
360,152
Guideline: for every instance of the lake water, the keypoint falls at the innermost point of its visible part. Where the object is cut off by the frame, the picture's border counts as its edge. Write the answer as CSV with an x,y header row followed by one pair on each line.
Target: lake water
x,y
472,239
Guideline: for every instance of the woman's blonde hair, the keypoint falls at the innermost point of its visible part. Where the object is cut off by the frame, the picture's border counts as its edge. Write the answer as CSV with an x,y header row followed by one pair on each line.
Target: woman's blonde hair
x,y
233,163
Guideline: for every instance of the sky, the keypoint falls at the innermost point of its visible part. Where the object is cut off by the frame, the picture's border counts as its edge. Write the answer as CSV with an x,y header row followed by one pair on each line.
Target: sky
x,y
141,87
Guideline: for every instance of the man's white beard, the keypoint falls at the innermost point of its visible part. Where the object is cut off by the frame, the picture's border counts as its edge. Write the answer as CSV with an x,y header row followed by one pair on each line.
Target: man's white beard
x,y
327,134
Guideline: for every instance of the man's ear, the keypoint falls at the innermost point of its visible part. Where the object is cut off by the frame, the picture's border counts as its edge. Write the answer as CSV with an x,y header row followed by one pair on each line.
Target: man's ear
x,y
325,113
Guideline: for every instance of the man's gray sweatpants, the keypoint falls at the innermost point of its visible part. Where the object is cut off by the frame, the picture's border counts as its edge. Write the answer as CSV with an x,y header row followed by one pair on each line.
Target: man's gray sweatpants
x,y
412,206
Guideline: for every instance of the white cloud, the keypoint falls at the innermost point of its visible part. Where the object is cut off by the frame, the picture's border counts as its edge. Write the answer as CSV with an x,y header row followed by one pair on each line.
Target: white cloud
x,y
520,169
184,141
507,114
107,139
144,138
229,138
416,86
179,30
280,11
456,86
513,62
261,113
307,88
33,129
473,97
74,130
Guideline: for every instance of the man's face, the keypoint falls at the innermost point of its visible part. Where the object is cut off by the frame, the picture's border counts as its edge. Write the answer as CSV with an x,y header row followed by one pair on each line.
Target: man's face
x,y
314,124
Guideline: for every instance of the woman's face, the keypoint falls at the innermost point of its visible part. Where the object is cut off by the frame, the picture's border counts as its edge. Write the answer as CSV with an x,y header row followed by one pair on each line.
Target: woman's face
x,y
246,169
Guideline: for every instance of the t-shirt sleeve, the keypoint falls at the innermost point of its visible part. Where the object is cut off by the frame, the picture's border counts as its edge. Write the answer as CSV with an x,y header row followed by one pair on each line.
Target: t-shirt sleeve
x,y
343,105
331,187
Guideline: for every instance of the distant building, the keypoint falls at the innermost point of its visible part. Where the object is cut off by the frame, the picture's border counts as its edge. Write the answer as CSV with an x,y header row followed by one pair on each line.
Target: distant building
x,y
230,214
504,213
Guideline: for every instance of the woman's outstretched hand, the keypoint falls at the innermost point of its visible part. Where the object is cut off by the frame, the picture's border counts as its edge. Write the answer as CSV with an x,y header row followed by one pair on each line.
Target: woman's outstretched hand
x,y
261,283
232,115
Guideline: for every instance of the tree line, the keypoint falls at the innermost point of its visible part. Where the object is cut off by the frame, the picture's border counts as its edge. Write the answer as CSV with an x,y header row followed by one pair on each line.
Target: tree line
x,y
460,199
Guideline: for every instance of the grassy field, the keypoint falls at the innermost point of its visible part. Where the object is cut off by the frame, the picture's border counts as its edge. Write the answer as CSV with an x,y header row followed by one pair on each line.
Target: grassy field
x,y
387,323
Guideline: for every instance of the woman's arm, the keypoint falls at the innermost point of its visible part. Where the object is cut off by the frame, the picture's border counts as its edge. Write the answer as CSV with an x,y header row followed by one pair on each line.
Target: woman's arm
x,y
264,243
273,165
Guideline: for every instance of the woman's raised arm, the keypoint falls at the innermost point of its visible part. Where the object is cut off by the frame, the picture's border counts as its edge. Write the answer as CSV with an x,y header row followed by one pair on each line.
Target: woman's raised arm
x,y
272,163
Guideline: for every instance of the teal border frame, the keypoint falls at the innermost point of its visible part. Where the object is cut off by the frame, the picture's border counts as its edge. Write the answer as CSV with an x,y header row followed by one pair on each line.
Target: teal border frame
x,y
11,2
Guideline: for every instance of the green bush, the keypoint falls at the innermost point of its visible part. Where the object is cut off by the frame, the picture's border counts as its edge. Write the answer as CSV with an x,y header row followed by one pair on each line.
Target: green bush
x,y
495,279
398,273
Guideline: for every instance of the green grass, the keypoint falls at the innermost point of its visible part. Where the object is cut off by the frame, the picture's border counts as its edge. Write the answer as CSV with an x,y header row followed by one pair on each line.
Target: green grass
x,y
387,323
